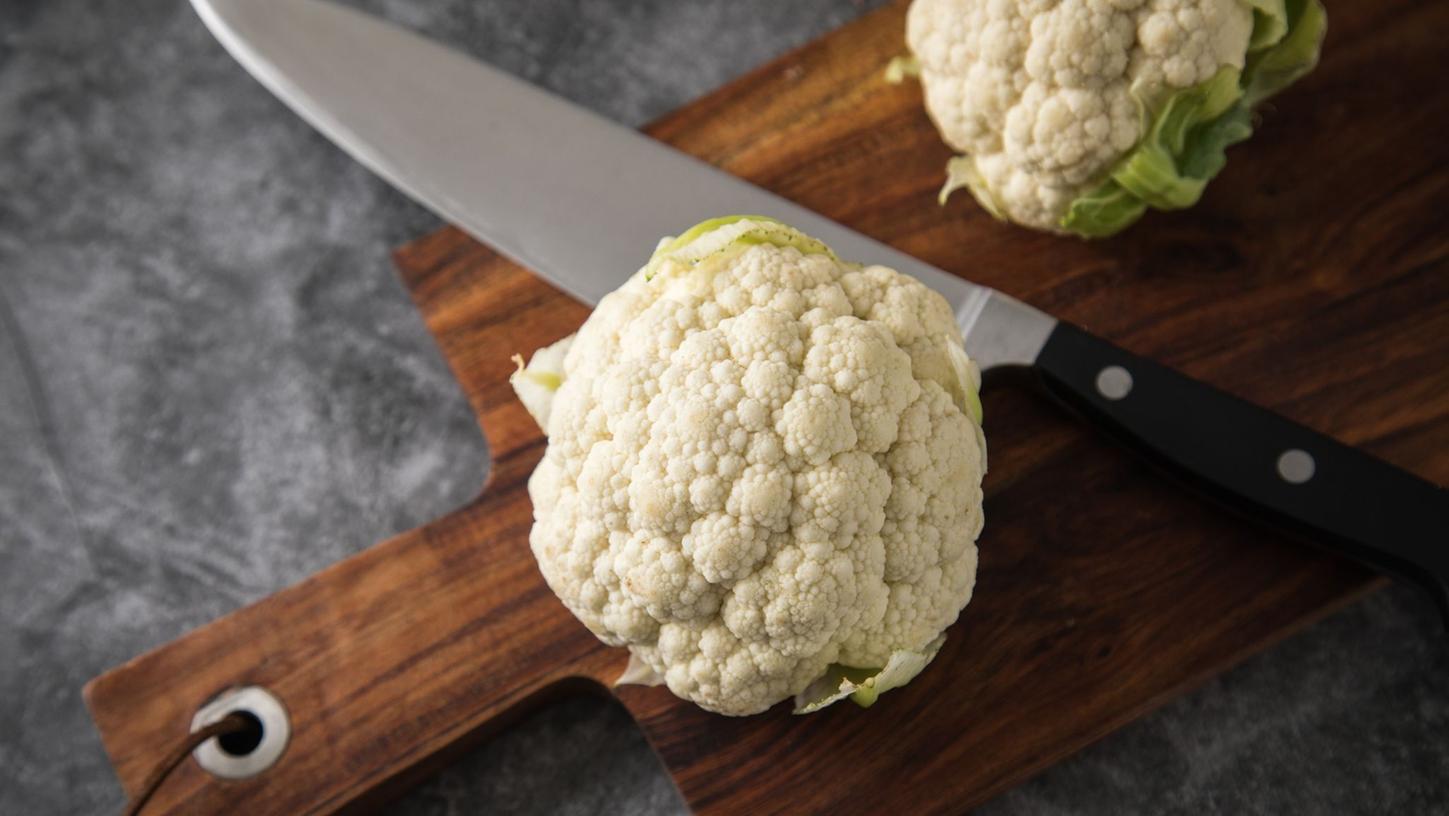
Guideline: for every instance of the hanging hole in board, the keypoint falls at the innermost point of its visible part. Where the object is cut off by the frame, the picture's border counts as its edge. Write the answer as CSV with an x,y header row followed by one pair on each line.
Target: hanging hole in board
x,y
252,750
242,743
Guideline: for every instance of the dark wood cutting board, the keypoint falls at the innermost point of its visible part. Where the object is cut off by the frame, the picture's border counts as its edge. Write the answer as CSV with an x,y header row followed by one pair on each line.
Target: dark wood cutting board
x,y
1313,279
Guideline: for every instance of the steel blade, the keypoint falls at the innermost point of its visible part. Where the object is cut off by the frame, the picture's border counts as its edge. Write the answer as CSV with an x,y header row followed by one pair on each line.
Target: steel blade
x,y
564,192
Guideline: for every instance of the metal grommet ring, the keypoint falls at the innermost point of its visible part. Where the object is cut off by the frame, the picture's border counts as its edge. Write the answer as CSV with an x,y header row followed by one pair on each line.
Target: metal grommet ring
x,y
276,731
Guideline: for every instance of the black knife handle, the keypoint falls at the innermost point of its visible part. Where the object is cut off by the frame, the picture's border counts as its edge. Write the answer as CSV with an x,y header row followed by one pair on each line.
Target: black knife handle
x,y
1249,457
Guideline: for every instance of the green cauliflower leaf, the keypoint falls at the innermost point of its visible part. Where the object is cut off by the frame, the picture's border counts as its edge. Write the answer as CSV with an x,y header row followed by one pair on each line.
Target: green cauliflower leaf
x,y
1187,137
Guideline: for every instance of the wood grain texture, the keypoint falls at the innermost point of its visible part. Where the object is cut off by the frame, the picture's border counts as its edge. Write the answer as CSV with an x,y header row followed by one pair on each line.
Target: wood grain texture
x,y
1313,279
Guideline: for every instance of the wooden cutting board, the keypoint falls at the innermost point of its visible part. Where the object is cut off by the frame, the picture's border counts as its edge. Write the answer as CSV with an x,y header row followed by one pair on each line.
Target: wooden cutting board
x,y
1313,278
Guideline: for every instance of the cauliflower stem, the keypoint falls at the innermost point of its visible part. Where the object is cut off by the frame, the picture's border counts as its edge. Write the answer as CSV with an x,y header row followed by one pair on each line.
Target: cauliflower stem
x,y
865,686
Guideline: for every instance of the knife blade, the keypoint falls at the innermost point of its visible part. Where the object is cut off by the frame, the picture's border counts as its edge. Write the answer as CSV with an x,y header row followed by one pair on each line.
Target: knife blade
x,y
580,200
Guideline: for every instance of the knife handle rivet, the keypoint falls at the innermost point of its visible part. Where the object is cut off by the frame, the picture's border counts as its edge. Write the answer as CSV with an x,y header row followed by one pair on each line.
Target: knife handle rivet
x,y
1114,382
1295,466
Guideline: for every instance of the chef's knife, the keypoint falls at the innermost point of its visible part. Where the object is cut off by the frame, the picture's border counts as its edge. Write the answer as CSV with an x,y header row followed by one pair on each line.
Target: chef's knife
x,y
580,200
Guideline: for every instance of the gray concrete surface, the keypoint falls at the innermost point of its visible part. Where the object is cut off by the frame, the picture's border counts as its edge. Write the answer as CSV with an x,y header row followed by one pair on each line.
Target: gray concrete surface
x,y
211,385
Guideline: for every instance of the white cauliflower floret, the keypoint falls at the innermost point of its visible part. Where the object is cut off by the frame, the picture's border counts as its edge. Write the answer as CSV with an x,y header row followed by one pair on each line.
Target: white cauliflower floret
x,y
1045,98
764,466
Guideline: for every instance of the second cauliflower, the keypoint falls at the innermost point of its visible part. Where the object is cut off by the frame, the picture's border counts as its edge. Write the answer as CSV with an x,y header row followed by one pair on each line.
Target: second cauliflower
x,y
1077,115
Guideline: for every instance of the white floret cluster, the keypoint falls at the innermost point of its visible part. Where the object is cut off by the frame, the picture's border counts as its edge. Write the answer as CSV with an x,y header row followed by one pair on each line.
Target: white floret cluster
x,y
762,464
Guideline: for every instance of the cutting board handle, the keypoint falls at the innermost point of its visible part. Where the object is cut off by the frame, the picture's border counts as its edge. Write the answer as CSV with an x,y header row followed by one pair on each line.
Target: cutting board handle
x,y
387,663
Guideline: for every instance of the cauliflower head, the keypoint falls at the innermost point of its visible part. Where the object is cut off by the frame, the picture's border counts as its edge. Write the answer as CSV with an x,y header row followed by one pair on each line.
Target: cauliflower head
x,y
1077,115
763,470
